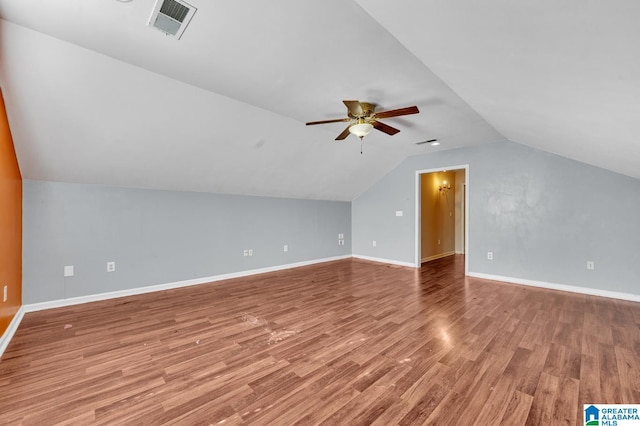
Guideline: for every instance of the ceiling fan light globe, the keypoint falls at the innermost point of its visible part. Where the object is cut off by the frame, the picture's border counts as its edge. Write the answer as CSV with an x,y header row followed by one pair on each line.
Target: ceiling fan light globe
x,y
361,130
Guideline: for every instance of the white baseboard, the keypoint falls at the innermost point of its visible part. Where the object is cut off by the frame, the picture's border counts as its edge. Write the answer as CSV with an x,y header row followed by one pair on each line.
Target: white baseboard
x,y
32,307
561,287
381,260
13,326
437,256
11,330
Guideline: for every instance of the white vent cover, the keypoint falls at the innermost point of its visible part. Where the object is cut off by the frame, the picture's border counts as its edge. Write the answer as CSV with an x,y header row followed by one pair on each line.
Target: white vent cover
x,y
171,16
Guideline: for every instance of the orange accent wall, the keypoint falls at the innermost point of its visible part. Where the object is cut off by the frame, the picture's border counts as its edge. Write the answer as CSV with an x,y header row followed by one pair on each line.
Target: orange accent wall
x,y
10,224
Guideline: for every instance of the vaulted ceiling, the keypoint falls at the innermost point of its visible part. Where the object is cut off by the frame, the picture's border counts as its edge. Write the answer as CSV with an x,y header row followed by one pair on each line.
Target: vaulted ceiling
x,y
94,95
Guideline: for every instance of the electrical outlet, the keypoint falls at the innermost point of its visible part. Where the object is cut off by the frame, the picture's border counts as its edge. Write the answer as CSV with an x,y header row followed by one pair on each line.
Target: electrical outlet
x,y
68,271
246,253
250,252
340,242
111,266
4,298
374,243
490,255
591,265
286,247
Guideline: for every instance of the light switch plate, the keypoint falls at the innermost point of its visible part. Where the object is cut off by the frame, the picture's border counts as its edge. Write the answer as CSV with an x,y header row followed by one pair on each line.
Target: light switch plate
x,y
68,271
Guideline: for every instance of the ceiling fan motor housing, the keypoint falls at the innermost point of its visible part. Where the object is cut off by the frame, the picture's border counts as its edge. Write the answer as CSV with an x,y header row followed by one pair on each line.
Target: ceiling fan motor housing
x,y
367,110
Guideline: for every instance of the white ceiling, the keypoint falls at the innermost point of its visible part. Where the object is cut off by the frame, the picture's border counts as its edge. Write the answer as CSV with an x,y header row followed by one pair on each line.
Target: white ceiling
x,y
94,95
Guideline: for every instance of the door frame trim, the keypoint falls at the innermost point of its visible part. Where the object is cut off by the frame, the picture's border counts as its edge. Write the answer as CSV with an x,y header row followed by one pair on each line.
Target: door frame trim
x,y
418,213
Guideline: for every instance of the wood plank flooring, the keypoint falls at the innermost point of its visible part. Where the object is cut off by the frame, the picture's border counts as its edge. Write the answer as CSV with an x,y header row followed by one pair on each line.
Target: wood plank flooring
x,y
347,342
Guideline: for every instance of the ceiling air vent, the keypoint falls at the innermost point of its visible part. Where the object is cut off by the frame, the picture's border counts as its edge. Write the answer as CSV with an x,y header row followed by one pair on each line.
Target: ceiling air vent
x,y
171,16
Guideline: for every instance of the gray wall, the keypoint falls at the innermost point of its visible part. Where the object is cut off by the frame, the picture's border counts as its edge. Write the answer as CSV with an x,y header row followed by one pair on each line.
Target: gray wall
x,y
157,237
543,216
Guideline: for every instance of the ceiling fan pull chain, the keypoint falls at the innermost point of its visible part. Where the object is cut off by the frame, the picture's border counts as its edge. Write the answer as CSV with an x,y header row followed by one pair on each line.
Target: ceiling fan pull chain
x,y
361,142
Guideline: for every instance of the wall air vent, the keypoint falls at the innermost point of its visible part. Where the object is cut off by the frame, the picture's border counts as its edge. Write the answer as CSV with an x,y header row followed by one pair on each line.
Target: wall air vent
x,y
171,16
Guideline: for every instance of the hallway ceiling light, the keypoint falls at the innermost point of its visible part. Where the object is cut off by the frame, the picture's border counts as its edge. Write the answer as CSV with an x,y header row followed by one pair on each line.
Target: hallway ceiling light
x,y
432,142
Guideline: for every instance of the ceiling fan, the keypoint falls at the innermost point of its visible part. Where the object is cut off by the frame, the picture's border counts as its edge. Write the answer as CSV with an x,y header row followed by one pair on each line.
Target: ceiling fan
x,y
363,118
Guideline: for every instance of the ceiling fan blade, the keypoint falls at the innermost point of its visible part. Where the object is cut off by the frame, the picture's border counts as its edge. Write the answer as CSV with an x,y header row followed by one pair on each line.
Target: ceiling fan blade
x,y
384,128
398,112
337,120
344,134
354,108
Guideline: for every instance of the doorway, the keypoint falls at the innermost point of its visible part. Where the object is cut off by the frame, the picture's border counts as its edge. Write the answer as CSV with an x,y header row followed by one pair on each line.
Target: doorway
x,y
442,214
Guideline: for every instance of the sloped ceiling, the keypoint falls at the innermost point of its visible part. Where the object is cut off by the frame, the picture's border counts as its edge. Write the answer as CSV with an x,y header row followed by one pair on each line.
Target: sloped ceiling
x,y
561,76
94,95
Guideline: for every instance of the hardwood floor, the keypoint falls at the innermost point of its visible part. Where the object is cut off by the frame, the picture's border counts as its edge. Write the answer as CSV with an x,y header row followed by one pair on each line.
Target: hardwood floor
x,y
347,342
